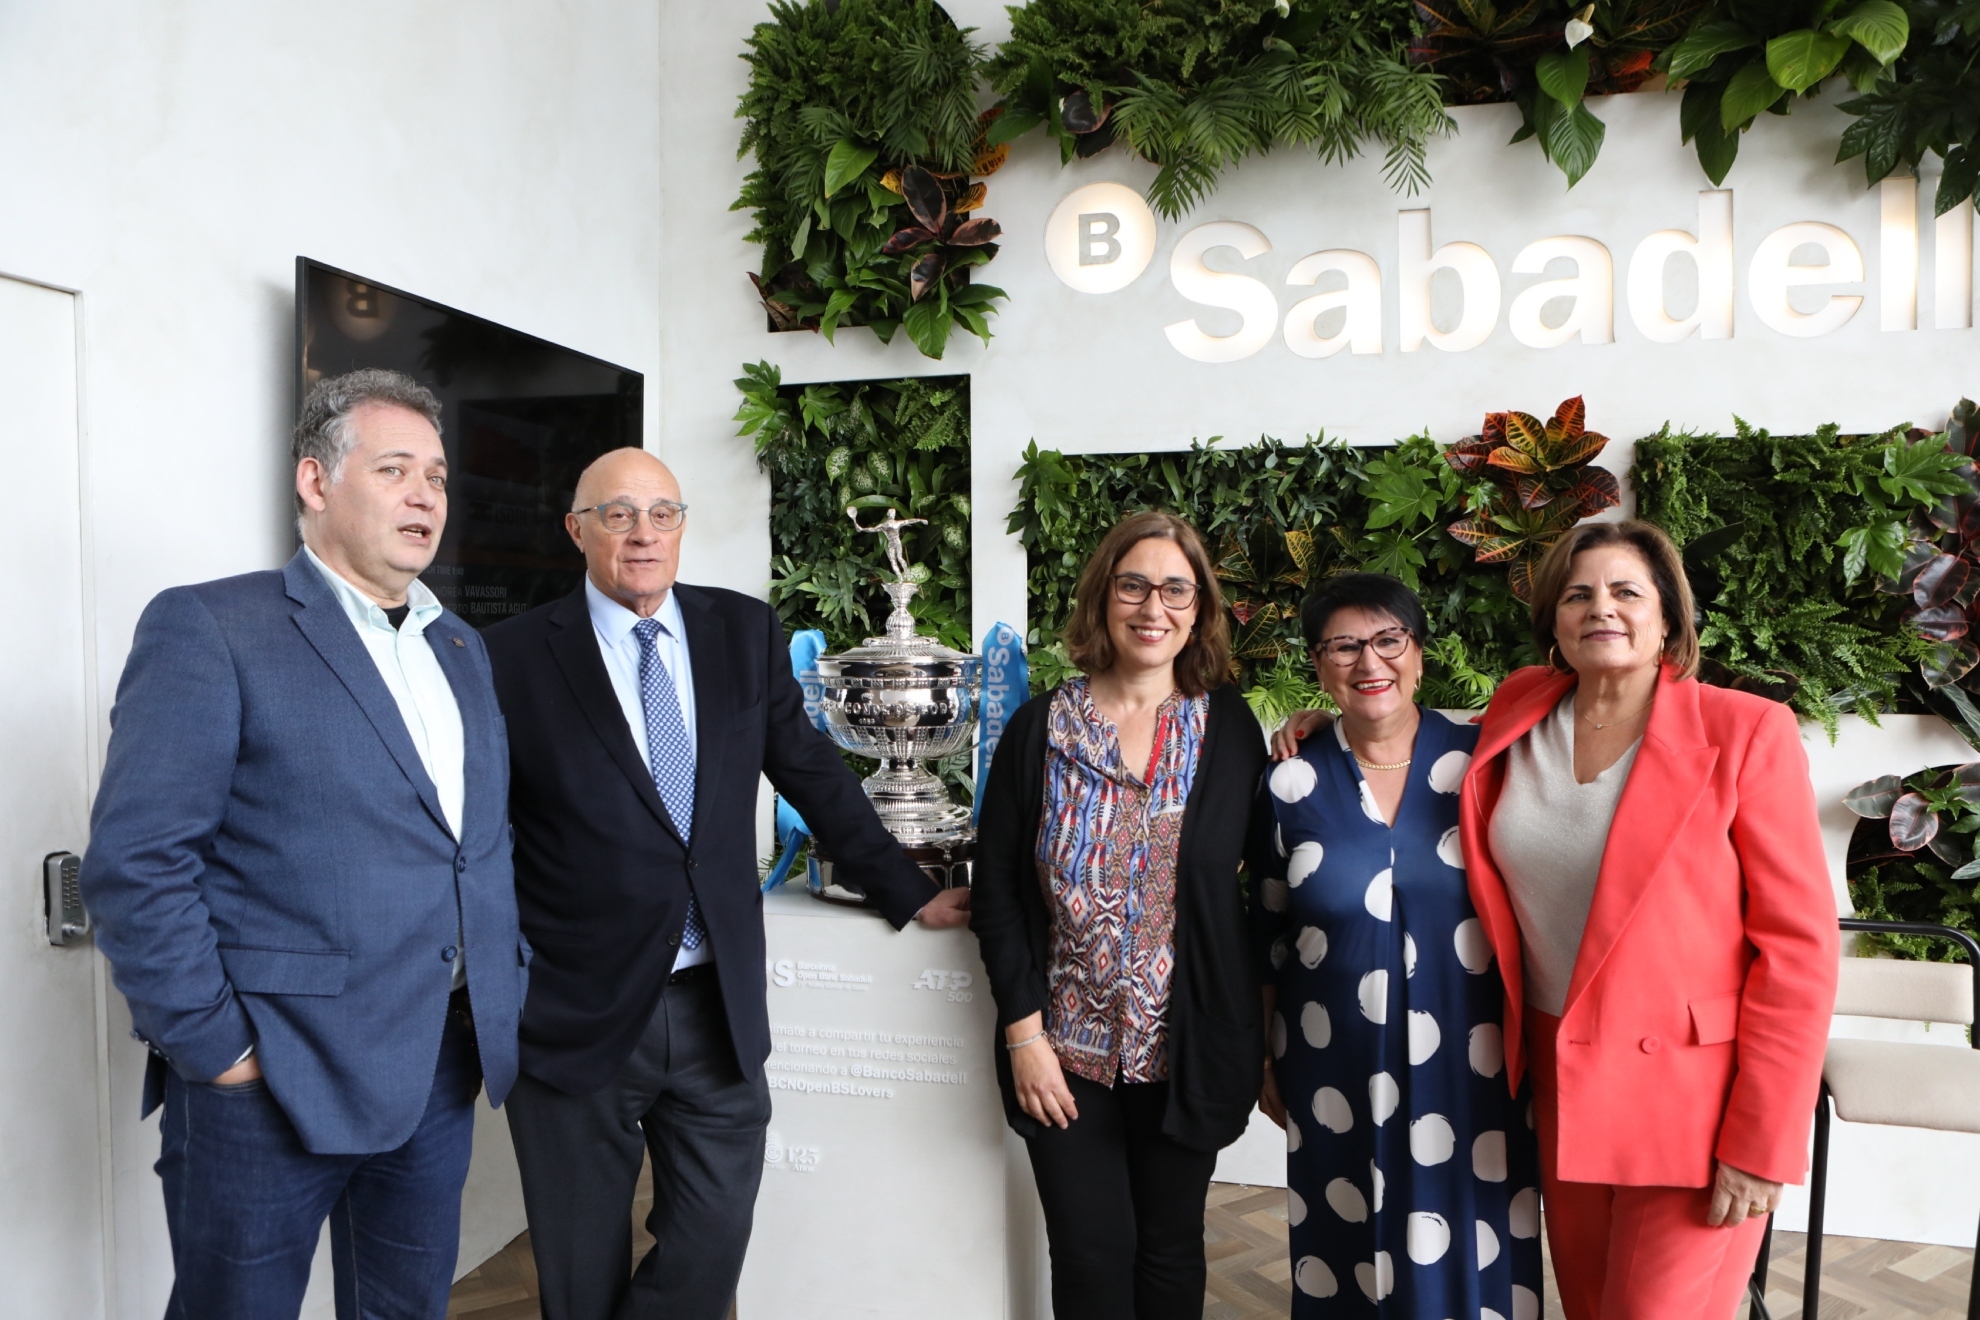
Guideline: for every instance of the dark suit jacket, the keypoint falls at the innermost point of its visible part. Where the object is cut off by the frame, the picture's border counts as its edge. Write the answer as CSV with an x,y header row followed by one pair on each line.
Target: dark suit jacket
x,y
603,876
269,865
1216,1037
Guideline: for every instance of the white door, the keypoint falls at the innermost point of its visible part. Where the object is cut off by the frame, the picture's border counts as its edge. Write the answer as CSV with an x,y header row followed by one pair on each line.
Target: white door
x,y
52,1261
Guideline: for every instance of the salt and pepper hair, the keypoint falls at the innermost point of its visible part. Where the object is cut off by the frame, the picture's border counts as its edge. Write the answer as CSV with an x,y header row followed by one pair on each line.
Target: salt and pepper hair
x,y
325,431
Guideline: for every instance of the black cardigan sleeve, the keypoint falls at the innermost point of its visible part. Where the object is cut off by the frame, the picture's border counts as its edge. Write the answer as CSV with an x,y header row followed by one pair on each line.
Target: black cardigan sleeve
x,y
1006,836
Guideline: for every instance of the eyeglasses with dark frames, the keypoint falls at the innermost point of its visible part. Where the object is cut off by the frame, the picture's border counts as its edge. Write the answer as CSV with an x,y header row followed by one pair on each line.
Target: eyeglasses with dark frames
x,y
1345,651
1174,593
618,517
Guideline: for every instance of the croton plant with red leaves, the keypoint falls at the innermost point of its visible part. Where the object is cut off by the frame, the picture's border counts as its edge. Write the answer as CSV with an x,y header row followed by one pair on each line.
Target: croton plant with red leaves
x,y
1535,480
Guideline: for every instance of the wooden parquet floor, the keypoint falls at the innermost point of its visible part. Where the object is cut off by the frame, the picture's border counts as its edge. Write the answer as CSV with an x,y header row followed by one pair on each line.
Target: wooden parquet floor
x,y
1251,1279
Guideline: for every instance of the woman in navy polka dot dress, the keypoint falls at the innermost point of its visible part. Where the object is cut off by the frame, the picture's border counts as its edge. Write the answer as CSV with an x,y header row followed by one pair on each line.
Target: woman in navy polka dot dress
x,y
1413,1173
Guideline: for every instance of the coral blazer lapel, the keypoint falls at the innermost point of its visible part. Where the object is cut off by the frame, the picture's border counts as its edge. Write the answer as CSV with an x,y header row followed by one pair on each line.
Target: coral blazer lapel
x,y
1672,771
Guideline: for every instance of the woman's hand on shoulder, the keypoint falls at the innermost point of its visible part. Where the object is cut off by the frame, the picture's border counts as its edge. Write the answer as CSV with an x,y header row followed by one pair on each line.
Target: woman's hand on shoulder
x,y
1299,726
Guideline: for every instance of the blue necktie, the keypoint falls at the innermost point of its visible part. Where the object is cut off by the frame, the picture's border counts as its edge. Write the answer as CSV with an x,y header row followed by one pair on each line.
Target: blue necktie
x,y
668,755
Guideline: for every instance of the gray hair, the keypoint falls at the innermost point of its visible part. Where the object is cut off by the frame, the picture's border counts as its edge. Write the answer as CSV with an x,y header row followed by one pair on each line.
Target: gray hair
x,y
324,431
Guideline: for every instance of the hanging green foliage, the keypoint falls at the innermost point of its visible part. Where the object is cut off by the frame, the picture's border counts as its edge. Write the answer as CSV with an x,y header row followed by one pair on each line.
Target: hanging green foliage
x,y
862,118
1745,58
1548,59
1278,518
872,445
1195,86
1931,104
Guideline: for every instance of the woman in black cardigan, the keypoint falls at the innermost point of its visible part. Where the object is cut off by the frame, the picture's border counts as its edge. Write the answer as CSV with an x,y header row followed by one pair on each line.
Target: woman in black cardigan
x,y
1107,902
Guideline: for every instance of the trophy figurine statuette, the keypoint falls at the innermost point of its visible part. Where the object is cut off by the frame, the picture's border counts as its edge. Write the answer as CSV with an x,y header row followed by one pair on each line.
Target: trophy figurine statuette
x,y
905,700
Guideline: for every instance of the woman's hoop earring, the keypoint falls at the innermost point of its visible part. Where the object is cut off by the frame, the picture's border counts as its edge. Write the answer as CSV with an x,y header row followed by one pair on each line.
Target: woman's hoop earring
x,y
1554,660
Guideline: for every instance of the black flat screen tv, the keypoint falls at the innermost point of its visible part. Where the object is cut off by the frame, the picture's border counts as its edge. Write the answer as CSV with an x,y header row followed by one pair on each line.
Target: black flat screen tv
x,y
521,418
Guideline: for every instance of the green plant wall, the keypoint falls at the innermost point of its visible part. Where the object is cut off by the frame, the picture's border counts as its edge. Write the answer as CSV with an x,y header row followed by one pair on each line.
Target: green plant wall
x,y
1277,518
872,445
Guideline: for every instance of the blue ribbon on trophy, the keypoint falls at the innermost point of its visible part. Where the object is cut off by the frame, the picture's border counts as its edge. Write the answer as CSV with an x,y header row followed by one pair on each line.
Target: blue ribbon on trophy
x,y
1006,685
791,831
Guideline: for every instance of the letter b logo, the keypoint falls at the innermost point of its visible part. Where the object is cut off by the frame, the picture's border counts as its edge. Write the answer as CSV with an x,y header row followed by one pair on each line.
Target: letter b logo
x,y
1097,244
1100,237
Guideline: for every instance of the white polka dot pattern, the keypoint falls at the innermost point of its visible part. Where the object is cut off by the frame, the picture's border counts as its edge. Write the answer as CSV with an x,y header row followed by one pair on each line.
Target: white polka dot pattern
x,y
1316,1026
1488,1244
1305,860
1448,771
1374,993
1449,850
1312,945
1424,1037
1293,780
1488,1157
1312,1277
1378,1182
1331,1109
1346,1200
1428,1236
1377,1278
1474,951
1523,1213
1431,1139
1487,1049
1295,1208
1383,1097
1526,1303
1409,954
1380,898
1273,894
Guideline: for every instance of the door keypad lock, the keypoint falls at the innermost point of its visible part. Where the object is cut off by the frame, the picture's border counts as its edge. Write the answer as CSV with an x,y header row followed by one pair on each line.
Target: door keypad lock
x,y
61,898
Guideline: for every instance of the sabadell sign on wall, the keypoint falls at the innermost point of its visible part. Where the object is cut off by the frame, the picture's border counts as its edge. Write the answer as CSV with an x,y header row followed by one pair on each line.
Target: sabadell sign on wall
x,y
1302,297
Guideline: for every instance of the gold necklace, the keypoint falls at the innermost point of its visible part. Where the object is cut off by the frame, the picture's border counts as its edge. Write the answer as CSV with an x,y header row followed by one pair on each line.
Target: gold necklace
x,y
1370,765
1638,711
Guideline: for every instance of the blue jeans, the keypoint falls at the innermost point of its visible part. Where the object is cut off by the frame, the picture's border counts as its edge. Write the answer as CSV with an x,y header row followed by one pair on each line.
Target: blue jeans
x,y
245,1202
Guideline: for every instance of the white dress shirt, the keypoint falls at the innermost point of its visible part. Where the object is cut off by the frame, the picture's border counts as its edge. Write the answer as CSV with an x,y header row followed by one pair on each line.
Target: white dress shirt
x,y
419,687
613,623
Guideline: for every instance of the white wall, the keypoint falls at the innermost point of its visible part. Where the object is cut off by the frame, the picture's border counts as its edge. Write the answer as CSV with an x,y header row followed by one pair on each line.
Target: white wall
x,y
170,158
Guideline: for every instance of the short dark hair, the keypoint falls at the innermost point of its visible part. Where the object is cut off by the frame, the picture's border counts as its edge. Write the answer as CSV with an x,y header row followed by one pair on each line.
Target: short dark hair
x,y
1551,576
1378,593
1206,660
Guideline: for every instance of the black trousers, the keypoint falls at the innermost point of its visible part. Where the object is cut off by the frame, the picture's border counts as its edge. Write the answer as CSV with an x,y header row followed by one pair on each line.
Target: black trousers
x,y
1123,1207
682,1098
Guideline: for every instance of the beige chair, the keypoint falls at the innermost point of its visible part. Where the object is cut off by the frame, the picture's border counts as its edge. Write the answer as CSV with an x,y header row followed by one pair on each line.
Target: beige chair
x,y
1891,1082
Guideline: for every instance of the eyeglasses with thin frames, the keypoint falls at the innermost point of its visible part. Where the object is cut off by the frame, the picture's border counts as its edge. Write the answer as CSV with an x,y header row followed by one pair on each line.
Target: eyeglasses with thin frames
x,y
1174,593
618,517
1346,651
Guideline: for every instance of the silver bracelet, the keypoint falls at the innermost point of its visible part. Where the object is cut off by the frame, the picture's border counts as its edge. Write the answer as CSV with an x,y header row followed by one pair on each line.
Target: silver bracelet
x,y
1020,1044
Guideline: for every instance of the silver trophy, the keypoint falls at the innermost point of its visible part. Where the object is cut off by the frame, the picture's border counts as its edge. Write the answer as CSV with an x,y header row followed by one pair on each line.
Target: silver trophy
x,y
904,700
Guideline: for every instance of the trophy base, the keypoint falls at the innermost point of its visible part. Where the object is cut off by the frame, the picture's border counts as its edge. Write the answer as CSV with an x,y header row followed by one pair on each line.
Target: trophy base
x,y
945,861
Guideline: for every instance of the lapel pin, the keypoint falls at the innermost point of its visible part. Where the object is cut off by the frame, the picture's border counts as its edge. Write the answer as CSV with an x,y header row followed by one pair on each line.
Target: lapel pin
x,y
459,642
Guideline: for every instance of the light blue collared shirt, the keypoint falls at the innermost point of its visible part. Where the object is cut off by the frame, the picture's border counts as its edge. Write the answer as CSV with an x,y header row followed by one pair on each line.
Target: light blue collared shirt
x,y
613,623
419,688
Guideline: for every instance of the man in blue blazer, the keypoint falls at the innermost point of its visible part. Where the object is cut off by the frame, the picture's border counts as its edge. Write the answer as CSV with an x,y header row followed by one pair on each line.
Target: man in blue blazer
x,y
300,873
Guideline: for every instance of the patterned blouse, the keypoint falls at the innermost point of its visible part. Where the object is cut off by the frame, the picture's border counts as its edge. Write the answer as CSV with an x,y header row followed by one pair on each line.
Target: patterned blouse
x,y
1107,847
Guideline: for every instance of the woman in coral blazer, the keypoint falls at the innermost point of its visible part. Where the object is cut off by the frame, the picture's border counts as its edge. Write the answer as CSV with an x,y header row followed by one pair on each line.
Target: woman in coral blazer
x,y
1644,855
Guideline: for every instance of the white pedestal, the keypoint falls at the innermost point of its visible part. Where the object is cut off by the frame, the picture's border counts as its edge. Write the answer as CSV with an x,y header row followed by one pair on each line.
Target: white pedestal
x,y
889,1189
